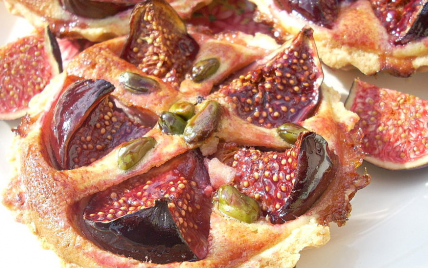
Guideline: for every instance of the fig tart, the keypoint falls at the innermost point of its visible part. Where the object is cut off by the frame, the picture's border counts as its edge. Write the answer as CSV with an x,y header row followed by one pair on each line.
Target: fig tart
x,y
371,35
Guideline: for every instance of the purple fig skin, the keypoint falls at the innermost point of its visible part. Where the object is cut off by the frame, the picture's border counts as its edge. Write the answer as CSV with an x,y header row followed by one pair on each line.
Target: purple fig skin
x,y
142,236
56,51
71,111
321,12
414,23
163,217
95,9
318,168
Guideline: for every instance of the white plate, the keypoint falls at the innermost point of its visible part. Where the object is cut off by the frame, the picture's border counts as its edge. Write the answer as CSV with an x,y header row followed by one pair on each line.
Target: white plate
x,y
388,226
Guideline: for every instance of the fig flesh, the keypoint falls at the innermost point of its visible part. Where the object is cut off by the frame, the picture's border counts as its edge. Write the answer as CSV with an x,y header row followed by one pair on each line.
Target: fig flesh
x,y
26,67
150,234
286,184
394,126
281,88
162,216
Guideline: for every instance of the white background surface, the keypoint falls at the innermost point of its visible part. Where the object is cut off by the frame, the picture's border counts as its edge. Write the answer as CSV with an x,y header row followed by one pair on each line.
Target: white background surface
x,y
388,226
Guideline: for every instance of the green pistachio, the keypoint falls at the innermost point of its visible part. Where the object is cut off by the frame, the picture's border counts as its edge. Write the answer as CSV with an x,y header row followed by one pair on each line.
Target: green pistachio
x,y
136,83
290,131
133,151
205,122
184,109
204,69
237,205
171,123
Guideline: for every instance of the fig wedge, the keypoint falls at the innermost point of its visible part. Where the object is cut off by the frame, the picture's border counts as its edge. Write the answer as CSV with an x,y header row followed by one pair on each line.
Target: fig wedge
x,y
162,216
406,21
286,184
26,67
394,124
158,42
87,124
321,12
283,87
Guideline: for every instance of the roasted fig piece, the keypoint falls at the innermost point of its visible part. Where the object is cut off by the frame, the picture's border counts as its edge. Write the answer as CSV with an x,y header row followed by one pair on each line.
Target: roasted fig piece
x,y
286,184
321,12
158,42
87,124
394,126
26,67
404,20
283,89
229,16
162,216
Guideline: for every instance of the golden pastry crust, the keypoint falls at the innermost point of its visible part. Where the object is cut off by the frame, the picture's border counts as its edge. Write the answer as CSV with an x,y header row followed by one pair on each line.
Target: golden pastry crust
x,y
357,39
